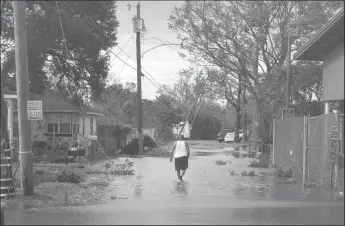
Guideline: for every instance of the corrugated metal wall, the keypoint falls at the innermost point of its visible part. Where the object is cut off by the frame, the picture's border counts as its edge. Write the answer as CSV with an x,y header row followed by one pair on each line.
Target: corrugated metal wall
x,y
333,75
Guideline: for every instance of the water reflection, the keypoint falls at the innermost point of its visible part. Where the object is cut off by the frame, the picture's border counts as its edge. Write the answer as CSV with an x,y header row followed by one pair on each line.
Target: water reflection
x,y
181,188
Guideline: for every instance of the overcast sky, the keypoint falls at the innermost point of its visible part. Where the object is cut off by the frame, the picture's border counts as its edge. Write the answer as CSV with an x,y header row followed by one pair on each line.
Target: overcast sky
x,y
162,63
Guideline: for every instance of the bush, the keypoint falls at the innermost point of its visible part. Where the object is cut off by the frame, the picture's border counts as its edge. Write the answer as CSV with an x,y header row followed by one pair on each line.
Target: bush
x,y
232,173
125,168
258,164
284,172
67,177
220,162
39,172
250,174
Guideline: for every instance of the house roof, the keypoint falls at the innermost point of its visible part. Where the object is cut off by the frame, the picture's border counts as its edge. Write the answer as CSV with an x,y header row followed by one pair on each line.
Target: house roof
x,y
53,102
324,41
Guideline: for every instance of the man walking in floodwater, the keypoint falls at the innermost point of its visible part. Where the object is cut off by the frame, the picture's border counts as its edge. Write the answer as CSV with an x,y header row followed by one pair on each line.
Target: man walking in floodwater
x,y
180,152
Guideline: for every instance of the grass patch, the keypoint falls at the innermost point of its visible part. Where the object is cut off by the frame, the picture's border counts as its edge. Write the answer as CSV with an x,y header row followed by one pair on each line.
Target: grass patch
x,y
249,174
220,162
258,164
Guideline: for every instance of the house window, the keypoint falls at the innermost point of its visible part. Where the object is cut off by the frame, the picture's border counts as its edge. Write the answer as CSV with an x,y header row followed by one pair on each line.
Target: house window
x,y
61,122
91,126
15,129
52,127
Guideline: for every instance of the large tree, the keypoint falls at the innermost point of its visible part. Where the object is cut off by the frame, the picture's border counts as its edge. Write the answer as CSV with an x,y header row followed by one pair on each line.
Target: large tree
x,y
248,40
83,69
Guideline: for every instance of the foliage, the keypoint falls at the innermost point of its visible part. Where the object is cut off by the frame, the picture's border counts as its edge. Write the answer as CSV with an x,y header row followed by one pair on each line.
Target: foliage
x,y
249,174
240,38
284,172
125,168
87,67
258,164
220,162
67,177
232,172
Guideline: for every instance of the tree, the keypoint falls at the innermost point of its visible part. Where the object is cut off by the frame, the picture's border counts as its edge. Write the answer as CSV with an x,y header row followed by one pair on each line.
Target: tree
x,y
248,40
116,104
83,73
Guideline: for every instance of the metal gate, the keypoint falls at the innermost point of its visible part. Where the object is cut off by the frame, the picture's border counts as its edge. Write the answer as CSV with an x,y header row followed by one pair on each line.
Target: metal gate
x,y
288,144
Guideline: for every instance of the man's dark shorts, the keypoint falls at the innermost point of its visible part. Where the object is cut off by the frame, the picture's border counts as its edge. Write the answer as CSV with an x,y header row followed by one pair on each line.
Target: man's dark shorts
x,y
181,163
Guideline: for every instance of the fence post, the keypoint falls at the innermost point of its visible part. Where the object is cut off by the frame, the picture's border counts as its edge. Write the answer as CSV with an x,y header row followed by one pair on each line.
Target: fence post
x,y
274,137
305,151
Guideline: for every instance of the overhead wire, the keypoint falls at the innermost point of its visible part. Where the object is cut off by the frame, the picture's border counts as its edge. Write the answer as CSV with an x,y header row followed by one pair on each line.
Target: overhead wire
x,y
104,44
98,37
64,39
159,86
67,55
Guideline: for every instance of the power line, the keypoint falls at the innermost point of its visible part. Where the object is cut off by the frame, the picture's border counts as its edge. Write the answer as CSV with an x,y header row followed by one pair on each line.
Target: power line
x,y
67,55
88,17
147,73
121,50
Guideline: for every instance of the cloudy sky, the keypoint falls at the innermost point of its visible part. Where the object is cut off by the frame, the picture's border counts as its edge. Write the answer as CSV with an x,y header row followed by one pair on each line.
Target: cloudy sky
x,y
162,63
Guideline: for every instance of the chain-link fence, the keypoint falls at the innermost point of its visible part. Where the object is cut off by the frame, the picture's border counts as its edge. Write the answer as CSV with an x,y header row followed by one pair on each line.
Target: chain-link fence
x,y
288,144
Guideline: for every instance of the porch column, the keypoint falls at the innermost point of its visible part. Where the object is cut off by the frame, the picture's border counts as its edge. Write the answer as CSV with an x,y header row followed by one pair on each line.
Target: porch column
x,y
327,107
10,121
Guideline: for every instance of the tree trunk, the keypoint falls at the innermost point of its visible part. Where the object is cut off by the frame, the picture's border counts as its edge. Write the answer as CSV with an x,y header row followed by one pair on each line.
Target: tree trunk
x,y
245,135
238,110
237,125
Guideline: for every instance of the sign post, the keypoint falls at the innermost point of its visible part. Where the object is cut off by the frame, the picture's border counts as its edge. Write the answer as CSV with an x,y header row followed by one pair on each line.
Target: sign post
x,y
35,110
333,148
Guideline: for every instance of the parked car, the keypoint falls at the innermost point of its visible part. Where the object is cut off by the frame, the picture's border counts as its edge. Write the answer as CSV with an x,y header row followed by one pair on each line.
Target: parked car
x,y
230,137
222,134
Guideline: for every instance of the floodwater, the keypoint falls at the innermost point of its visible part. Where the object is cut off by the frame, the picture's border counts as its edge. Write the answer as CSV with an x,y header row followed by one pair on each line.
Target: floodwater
x,y
209,194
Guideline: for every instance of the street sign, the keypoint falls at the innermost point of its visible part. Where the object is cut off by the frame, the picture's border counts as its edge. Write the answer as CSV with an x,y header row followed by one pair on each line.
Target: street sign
x,y
333,150
288,112
35,110
334,135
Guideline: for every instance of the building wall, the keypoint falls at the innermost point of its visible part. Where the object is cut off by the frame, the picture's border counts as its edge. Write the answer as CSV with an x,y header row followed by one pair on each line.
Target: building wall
x,y
333,75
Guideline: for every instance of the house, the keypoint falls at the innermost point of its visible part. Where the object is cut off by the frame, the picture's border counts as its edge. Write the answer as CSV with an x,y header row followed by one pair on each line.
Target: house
x,y
61,119
327,45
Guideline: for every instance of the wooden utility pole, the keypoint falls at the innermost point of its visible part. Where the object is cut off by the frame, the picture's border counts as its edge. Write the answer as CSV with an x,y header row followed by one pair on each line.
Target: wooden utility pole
x,y
22,79
139,100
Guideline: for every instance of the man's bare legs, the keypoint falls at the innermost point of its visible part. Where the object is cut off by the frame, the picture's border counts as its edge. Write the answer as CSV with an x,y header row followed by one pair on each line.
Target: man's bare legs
x,y
183,172
178,174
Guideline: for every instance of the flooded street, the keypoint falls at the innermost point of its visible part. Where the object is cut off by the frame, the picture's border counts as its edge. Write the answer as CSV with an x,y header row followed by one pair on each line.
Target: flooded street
x,y
209,194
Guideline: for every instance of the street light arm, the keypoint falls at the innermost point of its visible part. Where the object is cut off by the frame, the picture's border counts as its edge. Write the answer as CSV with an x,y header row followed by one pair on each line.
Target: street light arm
x,y
158,47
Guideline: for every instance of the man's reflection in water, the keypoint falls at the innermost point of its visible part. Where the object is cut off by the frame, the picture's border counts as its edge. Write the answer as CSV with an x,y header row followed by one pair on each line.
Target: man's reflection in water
x,y
181,188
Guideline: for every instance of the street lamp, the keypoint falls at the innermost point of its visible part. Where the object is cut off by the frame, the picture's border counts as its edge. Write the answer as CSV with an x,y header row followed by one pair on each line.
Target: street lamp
x,y
292,35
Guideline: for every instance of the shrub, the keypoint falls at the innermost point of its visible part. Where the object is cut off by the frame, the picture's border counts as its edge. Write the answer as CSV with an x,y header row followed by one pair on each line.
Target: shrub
x,y
258,164
284,172
67,177
232,173
39,172
220,162
250,174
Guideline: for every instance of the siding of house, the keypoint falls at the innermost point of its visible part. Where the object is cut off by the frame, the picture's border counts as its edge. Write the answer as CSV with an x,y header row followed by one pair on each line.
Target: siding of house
x,y
333,75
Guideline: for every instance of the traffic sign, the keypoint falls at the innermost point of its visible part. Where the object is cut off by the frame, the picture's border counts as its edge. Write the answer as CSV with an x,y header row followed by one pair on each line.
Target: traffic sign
x,y
334,134
334,148
35,110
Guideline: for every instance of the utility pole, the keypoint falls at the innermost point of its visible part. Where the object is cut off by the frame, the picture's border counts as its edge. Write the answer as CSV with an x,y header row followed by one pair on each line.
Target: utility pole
x,y
139,100
22,79
287,104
